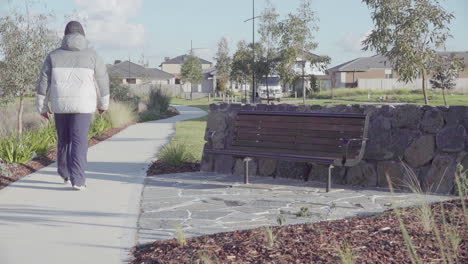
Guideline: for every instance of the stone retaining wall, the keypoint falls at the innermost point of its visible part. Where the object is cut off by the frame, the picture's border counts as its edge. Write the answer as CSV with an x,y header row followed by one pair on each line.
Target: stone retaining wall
x,y
423,141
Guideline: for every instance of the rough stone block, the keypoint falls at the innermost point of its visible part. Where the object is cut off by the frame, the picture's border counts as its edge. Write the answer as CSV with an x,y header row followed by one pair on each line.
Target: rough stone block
x,y
319,173
261,107
289,169
214,107
394,170
441,175
248,107
267,167
421,151
401,140
407,116
433,121
223,164
451,139
456,115
364,174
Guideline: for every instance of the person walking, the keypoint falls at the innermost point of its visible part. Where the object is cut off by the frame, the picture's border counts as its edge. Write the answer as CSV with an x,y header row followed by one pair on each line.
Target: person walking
x,y
73,83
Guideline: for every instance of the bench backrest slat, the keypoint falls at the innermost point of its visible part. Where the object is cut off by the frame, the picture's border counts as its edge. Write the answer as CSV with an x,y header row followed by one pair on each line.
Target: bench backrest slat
x,y
317,135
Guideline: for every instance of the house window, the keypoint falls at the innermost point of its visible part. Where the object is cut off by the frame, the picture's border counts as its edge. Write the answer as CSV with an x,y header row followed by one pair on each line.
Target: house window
x,y
343,77
131,80
388,74
177,81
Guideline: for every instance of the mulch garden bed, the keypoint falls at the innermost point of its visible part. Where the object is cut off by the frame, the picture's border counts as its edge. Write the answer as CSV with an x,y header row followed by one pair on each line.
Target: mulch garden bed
x,y
19,171
160,167
372,239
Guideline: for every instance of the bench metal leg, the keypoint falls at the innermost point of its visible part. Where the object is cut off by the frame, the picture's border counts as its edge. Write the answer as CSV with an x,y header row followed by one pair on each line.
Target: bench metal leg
x,y
246,170
329,177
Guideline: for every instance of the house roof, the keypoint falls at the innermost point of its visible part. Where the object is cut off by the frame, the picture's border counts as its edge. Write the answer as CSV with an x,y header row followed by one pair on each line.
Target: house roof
x,y
381,62
182,58
127,69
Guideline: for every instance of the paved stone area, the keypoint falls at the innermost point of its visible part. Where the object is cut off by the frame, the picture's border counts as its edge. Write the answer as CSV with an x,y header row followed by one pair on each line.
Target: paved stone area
x,y
207,203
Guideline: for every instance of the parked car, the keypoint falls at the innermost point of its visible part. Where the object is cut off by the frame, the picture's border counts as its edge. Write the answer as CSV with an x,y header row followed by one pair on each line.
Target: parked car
x,y
275,91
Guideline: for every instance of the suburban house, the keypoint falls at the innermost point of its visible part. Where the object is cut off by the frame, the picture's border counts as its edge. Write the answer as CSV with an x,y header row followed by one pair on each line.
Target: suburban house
x,y
376,72
132,73
307,65
174,65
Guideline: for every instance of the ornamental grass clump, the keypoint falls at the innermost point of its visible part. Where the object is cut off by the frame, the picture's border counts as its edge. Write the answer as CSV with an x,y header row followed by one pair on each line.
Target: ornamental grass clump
x,y
158,101
120,114
175,154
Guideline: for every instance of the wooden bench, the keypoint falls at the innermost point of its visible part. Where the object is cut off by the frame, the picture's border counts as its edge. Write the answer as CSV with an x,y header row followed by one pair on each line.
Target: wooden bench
x,y
333,139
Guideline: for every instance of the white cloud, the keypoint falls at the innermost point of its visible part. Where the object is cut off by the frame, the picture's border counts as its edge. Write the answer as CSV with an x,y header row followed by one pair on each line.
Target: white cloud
x,y
107,23
352,42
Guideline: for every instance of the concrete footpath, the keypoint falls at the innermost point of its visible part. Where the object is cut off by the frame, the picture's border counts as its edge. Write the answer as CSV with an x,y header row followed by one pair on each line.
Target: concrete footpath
x,y
44,221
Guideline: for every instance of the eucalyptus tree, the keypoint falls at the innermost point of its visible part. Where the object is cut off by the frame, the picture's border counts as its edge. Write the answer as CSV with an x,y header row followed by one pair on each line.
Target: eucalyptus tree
x,y
192,72
408,33
223,64
25,41
446,72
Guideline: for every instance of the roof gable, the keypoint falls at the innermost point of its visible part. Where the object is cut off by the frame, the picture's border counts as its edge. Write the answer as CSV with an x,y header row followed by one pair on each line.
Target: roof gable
x,y
182,58
127,69
381,62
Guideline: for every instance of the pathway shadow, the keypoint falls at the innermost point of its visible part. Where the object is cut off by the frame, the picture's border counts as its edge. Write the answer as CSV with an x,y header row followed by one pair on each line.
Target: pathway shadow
x,y
20,214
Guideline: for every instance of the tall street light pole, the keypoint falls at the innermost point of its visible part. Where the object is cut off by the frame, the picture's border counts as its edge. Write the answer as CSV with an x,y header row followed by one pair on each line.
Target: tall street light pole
x,y
253,48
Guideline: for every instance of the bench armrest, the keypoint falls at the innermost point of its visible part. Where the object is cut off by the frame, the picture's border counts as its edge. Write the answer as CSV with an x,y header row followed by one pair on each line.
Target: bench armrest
x,y
345,150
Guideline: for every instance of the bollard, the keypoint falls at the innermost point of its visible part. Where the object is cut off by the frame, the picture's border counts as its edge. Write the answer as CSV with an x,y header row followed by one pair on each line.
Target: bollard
x,y
246,170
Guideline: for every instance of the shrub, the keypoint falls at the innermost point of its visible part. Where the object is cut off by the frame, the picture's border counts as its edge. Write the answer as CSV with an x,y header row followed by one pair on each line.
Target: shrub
x,y
120,114
15,149
158,101
119,91
99,125
175,154
32,121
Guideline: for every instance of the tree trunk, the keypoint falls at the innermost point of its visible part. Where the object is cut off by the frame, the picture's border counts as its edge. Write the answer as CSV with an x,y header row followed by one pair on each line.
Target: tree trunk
x,y
303,83
443,94
20,115
191,92
426,100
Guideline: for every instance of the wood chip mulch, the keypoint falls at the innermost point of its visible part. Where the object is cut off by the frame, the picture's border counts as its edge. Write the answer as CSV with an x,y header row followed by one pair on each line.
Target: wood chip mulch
x,y
19,171
160,167
372,239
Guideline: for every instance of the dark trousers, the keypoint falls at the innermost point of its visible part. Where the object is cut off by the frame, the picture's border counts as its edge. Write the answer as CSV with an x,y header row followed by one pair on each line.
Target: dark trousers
x,y
72,150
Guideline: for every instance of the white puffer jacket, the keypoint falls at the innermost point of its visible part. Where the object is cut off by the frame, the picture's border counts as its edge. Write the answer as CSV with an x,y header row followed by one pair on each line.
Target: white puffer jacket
x,y
73,79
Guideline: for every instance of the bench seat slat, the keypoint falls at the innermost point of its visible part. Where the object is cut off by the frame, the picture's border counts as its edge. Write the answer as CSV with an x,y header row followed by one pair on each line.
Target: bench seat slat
x,y
298,132
270,155
304,126
293,147
305,153
301,120
289,139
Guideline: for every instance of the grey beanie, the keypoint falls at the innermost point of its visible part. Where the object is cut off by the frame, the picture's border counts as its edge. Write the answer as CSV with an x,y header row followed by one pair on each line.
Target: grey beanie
x,y
74,27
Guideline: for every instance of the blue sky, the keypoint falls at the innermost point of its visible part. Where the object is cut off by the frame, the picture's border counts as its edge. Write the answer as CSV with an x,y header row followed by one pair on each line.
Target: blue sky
x,y
120,29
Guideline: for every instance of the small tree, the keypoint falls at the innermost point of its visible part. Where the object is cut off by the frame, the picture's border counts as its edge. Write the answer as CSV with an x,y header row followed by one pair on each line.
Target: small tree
x,y
25,41
446,73
192,72
270,34
408,32
223,64
297,40
241,67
